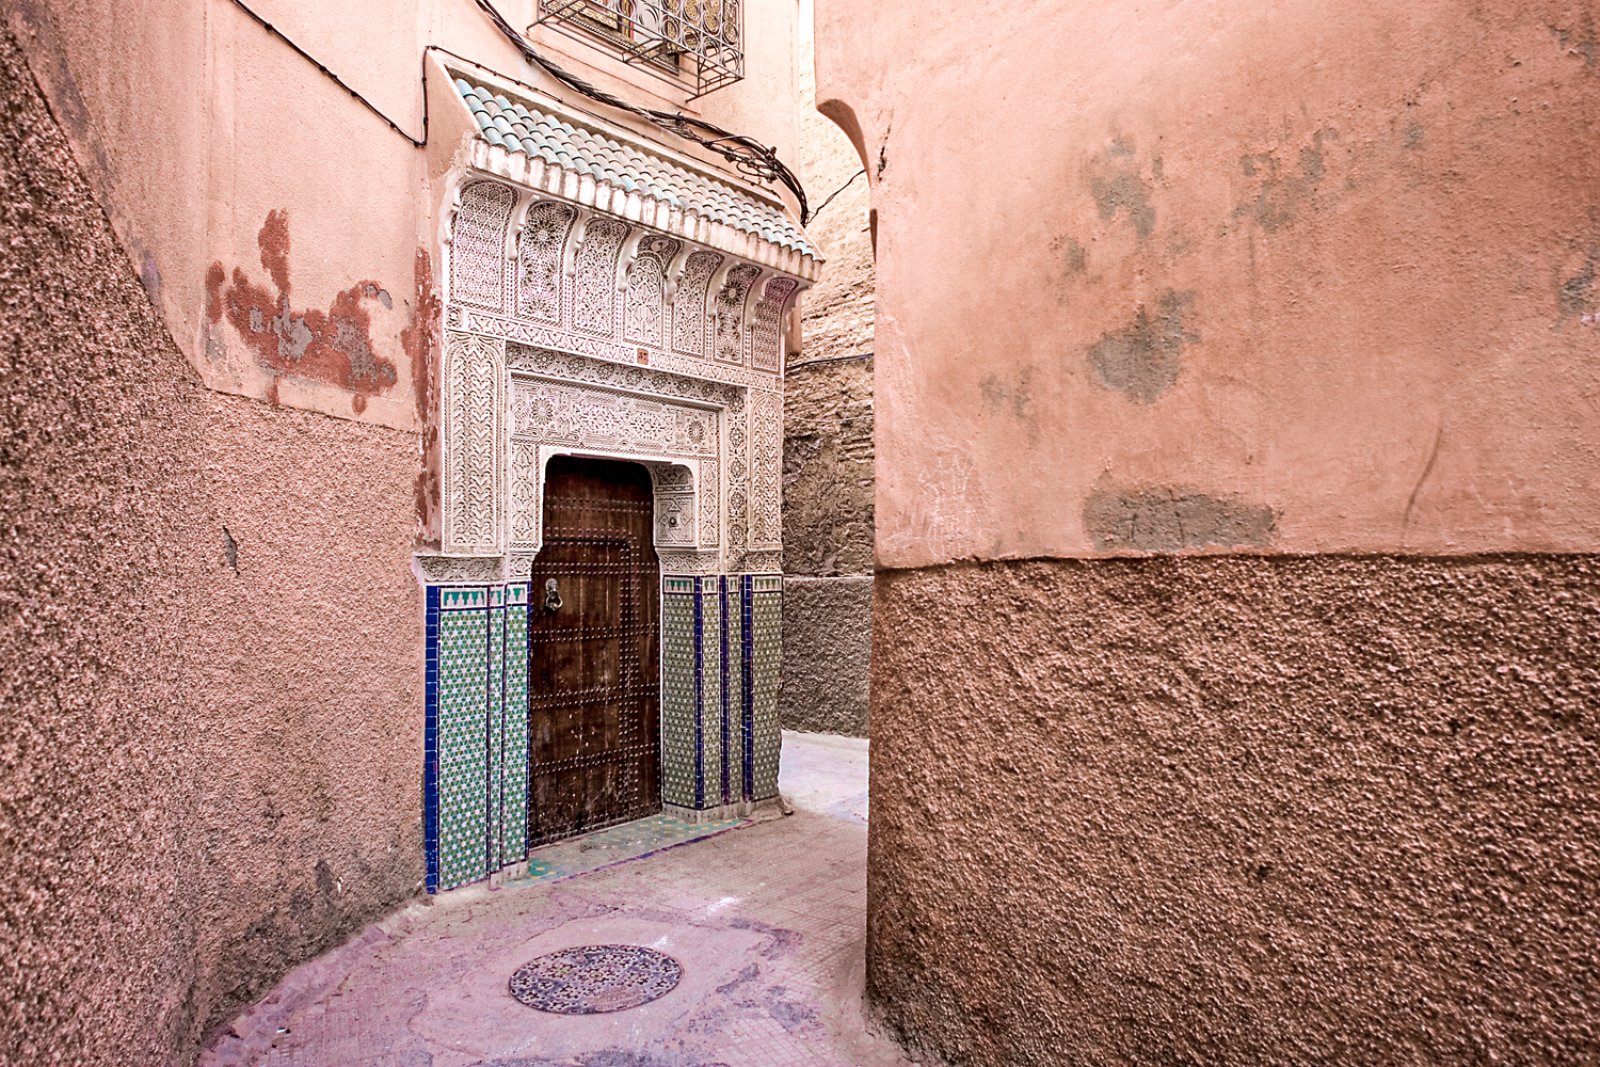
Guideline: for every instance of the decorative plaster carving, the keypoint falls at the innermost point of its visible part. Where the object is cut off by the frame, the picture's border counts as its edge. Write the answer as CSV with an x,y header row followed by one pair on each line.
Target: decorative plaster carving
x,y
478,245
466,569
689,308
685,562
765,562
730,312
766,335
474,375
599,348
580,416
541,250
595,299
643,303
766,469
527,498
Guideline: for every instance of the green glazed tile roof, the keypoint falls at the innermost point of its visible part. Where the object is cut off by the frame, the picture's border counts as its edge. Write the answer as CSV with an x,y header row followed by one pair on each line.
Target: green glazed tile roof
x,y
518,128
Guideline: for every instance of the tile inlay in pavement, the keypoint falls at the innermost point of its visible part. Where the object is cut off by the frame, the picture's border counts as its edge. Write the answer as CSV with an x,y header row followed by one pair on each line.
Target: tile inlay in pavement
x,y
768,923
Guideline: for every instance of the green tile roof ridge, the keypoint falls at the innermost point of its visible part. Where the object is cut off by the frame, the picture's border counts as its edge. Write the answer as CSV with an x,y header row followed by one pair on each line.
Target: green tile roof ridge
x,y
516,127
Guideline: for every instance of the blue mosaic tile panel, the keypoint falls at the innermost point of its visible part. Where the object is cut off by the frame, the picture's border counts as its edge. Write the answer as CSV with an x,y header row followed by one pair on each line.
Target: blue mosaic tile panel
x,y
430,739
463,695
766,622
678,713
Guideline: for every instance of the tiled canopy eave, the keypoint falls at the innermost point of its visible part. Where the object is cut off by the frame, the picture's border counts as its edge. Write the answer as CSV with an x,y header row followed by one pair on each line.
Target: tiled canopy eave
x,y
585,190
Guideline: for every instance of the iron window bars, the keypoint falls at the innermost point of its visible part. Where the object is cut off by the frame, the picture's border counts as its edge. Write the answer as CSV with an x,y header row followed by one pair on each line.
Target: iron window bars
x,y
701,41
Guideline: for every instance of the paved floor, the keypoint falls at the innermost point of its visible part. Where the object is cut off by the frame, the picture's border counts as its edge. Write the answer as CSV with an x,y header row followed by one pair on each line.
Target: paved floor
x,y
768,920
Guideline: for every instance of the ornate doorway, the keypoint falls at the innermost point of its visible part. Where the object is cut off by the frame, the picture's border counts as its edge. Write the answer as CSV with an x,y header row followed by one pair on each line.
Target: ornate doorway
x,y
594,737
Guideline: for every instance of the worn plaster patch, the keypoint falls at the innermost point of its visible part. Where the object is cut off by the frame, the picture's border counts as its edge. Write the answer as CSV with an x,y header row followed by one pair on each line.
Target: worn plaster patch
x,y
1280,191
1142,360
1167,520
1577,291
333,346
1120,189
1074,257
1011,393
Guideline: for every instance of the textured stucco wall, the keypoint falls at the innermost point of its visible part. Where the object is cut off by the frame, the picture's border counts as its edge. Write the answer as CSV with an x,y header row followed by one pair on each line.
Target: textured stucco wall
x,y
827,448
827,550
210,774
1230,810
827,654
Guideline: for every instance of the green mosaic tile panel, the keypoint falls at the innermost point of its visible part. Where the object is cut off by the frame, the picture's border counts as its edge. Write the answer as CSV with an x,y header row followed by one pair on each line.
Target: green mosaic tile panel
x,y
514,827
767,624
677,698
463,707
710,710
495,801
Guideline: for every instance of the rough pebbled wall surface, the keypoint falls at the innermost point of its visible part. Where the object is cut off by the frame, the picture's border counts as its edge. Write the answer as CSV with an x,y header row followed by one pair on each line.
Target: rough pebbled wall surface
x,y
827,551
209,773
1239,810
827,654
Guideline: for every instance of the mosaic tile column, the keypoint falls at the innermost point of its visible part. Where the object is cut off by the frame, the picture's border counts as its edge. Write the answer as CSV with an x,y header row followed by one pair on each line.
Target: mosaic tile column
x,y
475,758
721,653
763,633
682,681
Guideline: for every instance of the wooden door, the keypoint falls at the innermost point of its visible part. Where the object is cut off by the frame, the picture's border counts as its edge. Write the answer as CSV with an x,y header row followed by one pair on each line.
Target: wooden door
x,y
594,738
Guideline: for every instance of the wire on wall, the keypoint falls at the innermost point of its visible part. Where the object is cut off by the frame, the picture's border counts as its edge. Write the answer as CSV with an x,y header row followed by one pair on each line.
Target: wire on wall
x,y
751,157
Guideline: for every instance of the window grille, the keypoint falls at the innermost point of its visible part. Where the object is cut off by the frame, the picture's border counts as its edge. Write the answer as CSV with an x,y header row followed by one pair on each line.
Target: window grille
x,y
699,41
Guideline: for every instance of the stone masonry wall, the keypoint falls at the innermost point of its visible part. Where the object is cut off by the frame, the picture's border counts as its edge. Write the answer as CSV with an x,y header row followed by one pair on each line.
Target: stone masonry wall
x,y
828,477
211,648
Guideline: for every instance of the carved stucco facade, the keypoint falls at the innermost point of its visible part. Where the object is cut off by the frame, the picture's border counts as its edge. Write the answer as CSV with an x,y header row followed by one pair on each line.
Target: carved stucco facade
x,y
571,332
581,318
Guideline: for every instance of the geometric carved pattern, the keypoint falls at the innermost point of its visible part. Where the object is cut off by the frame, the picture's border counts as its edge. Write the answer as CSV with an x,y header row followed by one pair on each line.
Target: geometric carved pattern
x,y
688,393
564,414
474,375
689,307
557,413
766,469
730,312
642,304
478,244
609,349
595,303
766,332
540,251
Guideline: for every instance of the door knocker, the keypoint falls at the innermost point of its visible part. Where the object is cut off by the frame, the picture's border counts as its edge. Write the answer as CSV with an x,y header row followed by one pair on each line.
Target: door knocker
x,y
552,595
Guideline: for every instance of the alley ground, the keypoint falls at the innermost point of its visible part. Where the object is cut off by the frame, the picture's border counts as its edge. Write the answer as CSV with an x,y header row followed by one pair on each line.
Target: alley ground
x,y
767,919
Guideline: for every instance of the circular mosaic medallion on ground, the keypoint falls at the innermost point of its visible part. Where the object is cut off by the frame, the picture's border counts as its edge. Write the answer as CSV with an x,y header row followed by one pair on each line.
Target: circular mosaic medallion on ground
x,y
595,978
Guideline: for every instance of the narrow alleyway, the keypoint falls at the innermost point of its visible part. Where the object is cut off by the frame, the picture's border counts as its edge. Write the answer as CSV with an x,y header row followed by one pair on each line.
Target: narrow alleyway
x,y
768,921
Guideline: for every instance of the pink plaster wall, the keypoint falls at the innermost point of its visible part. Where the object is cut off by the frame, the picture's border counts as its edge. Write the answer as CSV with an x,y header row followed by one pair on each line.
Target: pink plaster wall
x,y
199,131
212,653
1292,278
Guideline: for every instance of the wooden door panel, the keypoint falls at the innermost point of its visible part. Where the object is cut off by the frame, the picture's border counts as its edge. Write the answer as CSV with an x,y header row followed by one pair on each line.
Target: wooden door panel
x,y
594,738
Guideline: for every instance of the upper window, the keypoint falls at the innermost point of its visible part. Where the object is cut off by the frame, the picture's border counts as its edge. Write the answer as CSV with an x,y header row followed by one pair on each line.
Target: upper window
x,y
698,41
